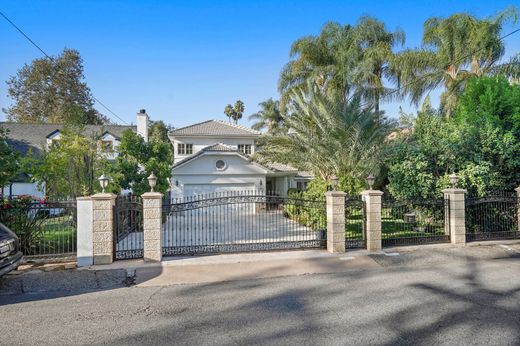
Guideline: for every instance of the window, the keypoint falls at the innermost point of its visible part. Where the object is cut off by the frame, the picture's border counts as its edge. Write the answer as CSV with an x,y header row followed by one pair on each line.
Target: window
x,y
220,165
106,146
245,148
184,149
301,185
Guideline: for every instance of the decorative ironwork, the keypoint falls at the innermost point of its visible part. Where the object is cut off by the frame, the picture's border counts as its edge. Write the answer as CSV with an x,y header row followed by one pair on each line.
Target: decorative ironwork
x,y
355,223
45,228
128,227
414,222
242,221
492,217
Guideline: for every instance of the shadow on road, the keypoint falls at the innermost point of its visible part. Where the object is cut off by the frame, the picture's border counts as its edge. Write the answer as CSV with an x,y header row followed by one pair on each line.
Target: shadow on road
x,y
467,301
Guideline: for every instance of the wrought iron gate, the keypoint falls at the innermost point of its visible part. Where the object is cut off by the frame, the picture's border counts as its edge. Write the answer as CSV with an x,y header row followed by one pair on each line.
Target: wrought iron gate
x,y
128,227
355,223
411,222
242,221
495,216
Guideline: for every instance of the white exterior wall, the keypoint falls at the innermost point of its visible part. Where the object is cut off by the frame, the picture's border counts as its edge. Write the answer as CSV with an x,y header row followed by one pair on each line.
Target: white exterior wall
x,y
85,245
201,175
200,143
30,189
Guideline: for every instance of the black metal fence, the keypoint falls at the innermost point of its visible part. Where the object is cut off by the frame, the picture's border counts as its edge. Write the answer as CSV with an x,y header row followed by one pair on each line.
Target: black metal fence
x,y
495,216
242,221
355,218
45,228
128,227
414,222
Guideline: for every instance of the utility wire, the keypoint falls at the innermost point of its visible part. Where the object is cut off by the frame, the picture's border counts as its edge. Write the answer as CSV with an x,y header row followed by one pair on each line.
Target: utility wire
x,y
419,79
51,59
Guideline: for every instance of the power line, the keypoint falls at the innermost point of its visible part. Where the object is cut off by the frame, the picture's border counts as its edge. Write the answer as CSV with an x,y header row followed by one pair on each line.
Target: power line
x,y
51,59
454,62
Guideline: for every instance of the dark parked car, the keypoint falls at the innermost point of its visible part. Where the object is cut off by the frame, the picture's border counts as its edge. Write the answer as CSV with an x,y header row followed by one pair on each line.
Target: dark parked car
x,y
10,254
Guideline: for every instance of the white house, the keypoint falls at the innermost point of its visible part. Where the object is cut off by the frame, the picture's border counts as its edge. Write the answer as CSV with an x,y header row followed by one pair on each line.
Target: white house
x,y
214,156
36,137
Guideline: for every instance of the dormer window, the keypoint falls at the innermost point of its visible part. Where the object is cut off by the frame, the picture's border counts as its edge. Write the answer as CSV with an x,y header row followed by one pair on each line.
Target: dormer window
x,y
184,149
245,149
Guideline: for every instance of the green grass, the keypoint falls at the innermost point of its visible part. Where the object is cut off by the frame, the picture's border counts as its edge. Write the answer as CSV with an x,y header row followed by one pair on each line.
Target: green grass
x,y
391,228
58,235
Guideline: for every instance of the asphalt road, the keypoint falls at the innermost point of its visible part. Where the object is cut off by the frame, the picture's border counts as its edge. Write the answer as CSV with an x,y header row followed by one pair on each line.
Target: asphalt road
x,y
465,296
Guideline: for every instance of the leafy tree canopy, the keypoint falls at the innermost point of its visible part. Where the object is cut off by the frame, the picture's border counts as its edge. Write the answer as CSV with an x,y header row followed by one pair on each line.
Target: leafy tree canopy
x,y
328,136
52,91
479,146
137,159
70,166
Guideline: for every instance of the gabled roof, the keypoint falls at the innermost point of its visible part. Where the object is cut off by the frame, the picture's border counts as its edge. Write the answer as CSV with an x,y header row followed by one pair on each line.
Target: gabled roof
x,y
22,137
280,167
217,147
215,128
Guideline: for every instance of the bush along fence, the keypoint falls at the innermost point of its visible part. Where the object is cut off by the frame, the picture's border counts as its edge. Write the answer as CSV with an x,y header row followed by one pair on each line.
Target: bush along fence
x,y
151,226
45,228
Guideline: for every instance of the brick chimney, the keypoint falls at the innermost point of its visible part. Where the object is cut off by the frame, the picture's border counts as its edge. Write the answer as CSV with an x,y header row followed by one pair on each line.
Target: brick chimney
x,y
142,124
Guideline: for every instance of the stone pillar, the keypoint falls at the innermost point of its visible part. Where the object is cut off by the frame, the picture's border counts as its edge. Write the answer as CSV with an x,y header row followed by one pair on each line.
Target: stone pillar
x,y
152,226
103,227
335,221
84,222
455,218
372,199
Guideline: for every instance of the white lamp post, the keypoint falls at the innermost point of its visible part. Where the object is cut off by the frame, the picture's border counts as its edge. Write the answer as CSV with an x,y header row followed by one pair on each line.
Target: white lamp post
x,y
454,179
152,181
370,180
103,181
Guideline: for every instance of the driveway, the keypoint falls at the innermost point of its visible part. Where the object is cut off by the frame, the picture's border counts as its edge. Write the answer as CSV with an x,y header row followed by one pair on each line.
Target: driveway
x,y
451,296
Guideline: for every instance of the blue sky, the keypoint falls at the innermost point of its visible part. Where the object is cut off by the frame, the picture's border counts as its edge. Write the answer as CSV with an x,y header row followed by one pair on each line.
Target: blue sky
x,y
185,60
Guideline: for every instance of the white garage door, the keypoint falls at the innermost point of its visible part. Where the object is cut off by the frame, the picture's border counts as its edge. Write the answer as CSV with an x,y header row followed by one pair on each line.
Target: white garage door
x,y
203,189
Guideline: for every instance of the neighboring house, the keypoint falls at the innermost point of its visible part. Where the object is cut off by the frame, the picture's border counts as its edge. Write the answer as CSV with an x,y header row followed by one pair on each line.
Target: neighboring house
x,y
214,156
35,137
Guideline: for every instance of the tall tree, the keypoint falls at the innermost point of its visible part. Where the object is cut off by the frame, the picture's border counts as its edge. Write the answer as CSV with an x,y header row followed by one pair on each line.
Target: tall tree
x,y
52,91
235,112
346,60
328,136
269,117
137,159
455,49
69,167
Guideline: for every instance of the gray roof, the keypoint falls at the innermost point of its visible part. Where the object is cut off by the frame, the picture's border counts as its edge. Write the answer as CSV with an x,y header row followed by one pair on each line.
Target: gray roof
x,y
280,167
220,147
215,128
22,137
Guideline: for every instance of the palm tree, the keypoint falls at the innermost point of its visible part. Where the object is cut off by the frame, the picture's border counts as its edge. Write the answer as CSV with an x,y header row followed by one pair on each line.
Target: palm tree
x,y
346,60
234,112
239,111
229,111
268,117
327,135
454,49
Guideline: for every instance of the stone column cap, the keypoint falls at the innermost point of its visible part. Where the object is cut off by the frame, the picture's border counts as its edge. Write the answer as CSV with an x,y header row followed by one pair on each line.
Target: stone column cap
x,y
104,196
455,191
83,198
335,193
517,189
372,193
152,195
